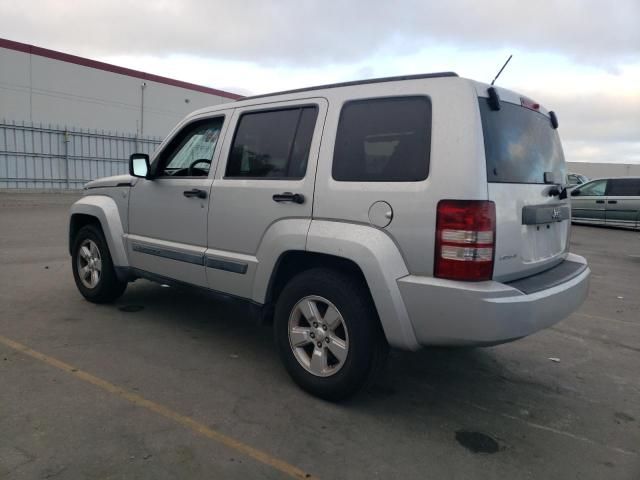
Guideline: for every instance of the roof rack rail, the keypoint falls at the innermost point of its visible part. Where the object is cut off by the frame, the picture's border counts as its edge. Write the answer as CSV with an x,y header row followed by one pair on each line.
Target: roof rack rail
x,y
356,82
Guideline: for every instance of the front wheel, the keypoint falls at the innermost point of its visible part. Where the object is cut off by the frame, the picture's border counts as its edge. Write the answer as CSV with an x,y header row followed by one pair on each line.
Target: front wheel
x,y
92,267
328,333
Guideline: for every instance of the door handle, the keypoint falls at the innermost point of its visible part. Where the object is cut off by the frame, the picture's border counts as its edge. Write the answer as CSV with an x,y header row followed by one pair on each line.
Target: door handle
x,y
612,201
196,192
599,201
289,197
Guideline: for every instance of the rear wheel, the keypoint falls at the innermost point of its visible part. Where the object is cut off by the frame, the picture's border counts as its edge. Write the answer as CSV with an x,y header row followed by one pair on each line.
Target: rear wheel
x,y
328,333
92,267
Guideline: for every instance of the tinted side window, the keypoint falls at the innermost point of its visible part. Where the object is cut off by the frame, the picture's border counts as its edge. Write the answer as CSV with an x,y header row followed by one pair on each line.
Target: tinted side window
x,y
272,144
383,140
596,188
621,187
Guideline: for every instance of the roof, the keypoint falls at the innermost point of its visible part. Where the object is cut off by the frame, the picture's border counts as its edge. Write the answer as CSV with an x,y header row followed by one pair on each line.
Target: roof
x,y
107,67
358,82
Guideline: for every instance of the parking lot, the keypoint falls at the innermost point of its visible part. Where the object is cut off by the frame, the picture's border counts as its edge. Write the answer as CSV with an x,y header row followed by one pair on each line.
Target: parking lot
x,y
168,383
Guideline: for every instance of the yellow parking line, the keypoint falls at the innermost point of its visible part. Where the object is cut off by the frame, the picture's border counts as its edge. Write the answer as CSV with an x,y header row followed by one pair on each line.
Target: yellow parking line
x,y
183,420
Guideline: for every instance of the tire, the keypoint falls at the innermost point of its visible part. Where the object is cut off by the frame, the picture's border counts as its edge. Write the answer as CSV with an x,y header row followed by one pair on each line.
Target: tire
x,y
106,287
358,341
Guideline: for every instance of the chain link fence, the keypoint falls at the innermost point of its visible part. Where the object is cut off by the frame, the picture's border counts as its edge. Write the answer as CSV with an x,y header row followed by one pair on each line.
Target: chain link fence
x,y
33,156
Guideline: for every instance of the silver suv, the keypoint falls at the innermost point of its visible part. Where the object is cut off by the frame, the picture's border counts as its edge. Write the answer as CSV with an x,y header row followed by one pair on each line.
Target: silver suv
x,y
402,212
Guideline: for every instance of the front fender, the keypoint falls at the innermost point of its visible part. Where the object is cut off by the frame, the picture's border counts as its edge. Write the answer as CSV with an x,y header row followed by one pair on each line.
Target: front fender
x,y
106,211
382,265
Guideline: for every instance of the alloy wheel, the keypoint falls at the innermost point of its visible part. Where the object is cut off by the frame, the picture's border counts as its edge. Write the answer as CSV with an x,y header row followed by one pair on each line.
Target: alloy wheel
x,y
318,336
89,264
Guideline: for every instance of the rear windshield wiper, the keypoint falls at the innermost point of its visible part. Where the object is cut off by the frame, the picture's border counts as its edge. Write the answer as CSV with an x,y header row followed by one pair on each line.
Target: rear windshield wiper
x,y
558,189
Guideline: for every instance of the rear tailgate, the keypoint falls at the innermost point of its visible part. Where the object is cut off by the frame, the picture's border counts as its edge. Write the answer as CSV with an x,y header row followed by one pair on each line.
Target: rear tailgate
x,y
526,249
532,226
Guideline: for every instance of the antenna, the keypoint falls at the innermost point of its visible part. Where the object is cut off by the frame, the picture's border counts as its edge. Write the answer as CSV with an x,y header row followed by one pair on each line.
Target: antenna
x,y
503,66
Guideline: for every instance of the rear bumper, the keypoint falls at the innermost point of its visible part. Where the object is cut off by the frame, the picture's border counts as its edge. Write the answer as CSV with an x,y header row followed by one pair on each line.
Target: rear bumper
x,y
445,312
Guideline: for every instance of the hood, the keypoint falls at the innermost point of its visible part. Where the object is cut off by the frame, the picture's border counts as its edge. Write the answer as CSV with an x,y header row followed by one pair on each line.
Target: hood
x,y
115,181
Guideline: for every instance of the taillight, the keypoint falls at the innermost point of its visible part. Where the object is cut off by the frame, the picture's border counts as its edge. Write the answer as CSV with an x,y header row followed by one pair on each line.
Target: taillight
x,y
465,240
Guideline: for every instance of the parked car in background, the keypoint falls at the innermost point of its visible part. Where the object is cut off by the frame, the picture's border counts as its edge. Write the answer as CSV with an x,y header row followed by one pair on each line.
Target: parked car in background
x,y
575,179
607,201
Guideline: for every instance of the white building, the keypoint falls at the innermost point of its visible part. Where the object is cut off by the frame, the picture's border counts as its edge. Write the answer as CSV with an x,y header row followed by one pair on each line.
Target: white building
x,y
599,170
38,85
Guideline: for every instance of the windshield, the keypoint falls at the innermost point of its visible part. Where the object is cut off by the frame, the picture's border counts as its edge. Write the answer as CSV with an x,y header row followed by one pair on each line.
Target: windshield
x,y
520,144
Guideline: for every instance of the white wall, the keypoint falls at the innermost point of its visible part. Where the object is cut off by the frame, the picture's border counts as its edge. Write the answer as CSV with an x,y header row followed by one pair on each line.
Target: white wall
x,y
15,85
598,170
44,90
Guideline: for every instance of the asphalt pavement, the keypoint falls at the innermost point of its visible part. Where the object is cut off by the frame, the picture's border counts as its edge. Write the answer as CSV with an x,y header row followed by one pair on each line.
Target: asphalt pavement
x,y
168,383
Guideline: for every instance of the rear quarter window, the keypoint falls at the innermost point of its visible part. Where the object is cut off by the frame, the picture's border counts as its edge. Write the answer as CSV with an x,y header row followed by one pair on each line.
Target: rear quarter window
x,y
383,140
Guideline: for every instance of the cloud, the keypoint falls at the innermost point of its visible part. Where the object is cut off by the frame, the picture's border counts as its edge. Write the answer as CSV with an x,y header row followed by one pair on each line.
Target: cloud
x,y
598,125
602,152
580,58
598,117
599,113
304,32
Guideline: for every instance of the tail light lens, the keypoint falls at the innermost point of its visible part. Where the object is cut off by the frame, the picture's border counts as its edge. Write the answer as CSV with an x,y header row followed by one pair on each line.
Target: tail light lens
x,y
465,240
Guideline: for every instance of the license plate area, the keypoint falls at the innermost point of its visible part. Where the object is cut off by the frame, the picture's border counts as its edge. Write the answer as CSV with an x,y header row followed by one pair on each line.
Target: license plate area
x,y
544,241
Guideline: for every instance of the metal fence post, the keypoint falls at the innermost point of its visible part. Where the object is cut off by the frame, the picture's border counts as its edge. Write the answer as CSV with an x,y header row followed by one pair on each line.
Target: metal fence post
x,y
66,157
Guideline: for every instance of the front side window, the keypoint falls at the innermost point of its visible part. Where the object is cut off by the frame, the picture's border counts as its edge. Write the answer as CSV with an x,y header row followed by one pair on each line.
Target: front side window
x,y
624,187
272,144
383,140
189,154
594,189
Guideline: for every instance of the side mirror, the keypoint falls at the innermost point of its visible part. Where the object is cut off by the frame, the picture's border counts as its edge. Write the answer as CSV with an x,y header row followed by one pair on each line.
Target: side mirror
x,y
139,165
575,193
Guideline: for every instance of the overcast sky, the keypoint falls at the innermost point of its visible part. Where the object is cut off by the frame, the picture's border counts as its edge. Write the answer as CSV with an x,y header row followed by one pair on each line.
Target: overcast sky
x,y
580,58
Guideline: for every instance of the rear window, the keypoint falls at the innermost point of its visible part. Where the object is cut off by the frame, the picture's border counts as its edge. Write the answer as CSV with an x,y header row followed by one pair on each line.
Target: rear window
x,y
624,187
383,140
520,144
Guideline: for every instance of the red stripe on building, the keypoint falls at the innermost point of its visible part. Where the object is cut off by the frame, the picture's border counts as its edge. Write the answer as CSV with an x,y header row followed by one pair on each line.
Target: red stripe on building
x,y
107,67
